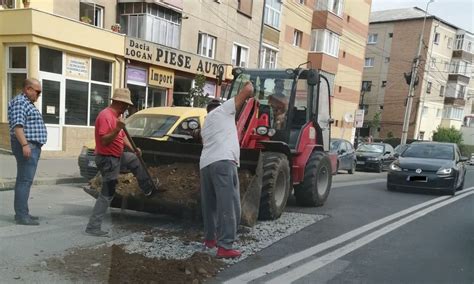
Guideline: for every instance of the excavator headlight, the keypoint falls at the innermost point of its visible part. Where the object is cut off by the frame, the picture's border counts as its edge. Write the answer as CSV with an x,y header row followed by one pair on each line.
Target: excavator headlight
x,y
262,130
193,124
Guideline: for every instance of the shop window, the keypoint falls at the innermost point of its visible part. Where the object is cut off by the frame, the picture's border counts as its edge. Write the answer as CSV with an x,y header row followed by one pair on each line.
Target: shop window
x,y
50,101
156,97
51,60
101,71
206,45
138,98
91,13
245,7
76,102
16,70
272,13
240,55
269,56
182,85
100,99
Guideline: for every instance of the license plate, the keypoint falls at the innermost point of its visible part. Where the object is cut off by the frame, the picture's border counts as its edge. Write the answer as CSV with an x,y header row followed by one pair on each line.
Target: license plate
x,y
418,178
360,163
92,164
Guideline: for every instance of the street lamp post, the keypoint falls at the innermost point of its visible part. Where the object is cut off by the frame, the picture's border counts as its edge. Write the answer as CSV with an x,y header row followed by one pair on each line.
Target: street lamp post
x,y
416,63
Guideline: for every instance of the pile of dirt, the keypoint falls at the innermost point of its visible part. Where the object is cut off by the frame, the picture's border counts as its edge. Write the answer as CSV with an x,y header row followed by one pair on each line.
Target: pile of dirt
x,y
179,191
115,265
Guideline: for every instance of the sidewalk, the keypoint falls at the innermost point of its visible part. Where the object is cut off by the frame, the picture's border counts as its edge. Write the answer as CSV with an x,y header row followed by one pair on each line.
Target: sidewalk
x,y
49,172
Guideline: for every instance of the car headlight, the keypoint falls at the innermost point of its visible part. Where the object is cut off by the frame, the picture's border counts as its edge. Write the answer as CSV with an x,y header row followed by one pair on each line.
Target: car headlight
x,y
395,167
372,159
193,124
184,125
444,171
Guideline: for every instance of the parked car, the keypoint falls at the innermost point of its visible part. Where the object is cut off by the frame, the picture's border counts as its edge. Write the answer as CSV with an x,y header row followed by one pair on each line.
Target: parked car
x,y
374,156
471,161
430,166
161,123
346,159
400,148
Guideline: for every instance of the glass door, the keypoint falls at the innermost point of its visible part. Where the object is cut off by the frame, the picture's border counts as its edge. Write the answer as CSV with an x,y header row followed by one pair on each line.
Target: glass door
x,y
52,106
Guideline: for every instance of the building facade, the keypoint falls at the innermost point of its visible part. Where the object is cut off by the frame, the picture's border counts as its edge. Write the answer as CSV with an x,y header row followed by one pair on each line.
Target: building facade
x,y
441,96
82,50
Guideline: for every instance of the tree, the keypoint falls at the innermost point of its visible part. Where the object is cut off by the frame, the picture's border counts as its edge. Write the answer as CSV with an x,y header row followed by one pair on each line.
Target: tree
x,y
375,123
444,134
196,94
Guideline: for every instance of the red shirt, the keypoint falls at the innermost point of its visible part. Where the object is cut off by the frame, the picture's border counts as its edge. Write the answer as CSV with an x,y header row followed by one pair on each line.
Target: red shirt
x,y
105,122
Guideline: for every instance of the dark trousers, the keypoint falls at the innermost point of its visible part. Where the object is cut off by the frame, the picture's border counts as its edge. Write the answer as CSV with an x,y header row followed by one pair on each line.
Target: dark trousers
x,y
110,168
220,201
25,173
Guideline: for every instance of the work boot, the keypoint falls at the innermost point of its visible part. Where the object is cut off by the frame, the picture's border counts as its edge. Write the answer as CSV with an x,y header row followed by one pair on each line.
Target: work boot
x,y
150,189
97,232
27,221
227,253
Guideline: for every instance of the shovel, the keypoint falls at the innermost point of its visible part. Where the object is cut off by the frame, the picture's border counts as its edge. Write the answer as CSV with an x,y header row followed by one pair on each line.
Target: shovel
x,y
140,158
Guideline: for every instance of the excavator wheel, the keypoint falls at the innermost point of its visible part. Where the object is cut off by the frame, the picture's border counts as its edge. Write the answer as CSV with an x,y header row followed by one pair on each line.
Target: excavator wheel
x,y
314,190
275,185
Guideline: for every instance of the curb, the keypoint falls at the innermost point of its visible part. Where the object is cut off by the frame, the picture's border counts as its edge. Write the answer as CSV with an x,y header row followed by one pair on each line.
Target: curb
x,y
10,184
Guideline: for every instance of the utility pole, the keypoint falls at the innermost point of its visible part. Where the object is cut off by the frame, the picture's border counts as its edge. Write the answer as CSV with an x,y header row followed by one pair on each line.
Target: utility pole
x,y
411,89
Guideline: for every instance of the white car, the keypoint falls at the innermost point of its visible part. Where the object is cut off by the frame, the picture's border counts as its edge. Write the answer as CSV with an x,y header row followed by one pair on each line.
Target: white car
x,y
471,161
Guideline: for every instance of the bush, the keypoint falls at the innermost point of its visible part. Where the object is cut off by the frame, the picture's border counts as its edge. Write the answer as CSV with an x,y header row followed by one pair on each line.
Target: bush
x,y
466,150
452,135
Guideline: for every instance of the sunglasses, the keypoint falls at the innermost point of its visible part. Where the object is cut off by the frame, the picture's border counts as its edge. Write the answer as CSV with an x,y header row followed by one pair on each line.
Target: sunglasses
x,y
37,92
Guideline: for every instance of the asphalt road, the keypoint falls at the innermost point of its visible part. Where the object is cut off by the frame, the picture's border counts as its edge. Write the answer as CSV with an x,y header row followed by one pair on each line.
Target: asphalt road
x,y
373,236
370,235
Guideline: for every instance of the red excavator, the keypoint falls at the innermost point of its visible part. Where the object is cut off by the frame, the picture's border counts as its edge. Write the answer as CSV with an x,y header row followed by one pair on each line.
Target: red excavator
x,y
284,133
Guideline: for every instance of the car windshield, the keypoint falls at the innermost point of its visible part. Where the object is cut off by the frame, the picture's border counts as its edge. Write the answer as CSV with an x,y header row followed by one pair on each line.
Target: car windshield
x,y
334,145
150,125
400,148
374,148
430,151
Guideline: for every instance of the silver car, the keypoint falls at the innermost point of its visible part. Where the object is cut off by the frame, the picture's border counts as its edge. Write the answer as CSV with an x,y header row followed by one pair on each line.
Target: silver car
x,y
471,161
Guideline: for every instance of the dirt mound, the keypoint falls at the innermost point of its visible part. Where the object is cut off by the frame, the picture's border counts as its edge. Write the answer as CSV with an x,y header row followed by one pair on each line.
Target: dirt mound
x,y
115,265
179,190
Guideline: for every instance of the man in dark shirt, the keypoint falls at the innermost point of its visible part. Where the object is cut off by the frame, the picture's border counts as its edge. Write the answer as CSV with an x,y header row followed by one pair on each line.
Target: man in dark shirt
x,y
27,136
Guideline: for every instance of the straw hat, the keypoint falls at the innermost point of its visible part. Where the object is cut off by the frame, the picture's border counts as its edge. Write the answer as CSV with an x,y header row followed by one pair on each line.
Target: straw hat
x,y
122,95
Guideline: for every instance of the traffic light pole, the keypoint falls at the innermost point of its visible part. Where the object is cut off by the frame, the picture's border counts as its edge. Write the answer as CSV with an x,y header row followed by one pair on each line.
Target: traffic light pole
x,y
411,90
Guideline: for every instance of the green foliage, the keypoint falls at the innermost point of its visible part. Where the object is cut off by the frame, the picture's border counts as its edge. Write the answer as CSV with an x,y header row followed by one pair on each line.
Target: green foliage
x,y
196,94
375,123
443,134
390,134
466,150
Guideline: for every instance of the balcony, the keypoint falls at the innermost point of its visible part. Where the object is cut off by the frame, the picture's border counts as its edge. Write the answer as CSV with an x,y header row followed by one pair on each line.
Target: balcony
x,y
456,102
463,55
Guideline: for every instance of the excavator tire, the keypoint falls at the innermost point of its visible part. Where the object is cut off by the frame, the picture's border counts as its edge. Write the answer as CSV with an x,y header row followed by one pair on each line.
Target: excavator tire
x,y
275,185
314,190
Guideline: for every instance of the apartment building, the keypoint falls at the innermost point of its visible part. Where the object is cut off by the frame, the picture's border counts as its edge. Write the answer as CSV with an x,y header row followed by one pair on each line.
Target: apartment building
x,y
82,50
331,35
441,96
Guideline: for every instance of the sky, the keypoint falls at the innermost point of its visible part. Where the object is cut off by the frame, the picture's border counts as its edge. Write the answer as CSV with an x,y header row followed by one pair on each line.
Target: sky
x,y
457,12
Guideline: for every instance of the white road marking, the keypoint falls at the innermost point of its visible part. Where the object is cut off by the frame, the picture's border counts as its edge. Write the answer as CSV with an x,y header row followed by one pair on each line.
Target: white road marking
x,y
309,267
361,182
293,258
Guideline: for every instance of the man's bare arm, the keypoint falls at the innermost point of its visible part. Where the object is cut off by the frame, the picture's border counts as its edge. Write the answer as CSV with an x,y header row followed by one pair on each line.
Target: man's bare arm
x,y
245,93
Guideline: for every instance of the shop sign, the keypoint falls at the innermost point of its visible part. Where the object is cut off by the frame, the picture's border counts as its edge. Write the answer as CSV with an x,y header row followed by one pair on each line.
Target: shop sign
x,y
169,57
136,74
77,67
161,77
359,118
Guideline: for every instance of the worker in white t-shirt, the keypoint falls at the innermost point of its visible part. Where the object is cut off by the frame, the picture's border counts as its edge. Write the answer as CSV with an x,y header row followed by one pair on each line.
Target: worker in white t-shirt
x,y
220,194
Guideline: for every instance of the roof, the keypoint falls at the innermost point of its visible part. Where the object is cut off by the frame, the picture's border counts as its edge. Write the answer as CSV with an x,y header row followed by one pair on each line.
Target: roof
x,y
176,111
404,14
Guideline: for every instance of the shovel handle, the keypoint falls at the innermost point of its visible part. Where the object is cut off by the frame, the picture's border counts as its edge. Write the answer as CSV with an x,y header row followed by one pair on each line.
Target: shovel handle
x,y
140,158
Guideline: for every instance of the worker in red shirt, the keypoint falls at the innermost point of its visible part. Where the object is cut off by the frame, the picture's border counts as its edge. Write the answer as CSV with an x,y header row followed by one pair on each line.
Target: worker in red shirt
x,y
110,141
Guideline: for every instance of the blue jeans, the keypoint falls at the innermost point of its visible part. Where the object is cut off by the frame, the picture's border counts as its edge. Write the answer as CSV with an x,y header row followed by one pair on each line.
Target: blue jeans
x,y
25,172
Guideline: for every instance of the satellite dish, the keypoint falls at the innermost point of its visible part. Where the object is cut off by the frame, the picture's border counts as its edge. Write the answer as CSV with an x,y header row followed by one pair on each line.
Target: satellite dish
x,y
348,117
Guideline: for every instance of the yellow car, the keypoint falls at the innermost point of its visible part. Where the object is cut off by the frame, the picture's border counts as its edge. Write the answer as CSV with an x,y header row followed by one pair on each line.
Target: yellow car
x,y
160,123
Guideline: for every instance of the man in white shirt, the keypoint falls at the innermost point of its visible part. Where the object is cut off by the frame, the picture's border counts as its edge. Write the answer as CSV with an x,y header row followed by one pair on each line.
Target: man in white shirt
x,y
220,194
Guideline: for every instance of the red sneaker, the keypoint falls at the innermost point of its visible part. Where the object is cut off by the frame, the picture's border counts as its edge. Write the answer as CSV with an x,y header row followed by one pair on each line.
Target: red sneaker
x,y
227,253
210,243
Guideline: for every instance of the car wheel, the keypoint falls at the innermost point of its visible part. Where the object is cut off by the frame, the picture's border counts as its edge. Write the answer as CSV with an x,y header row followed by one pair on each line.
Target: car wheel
x,y
353,168
461,186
